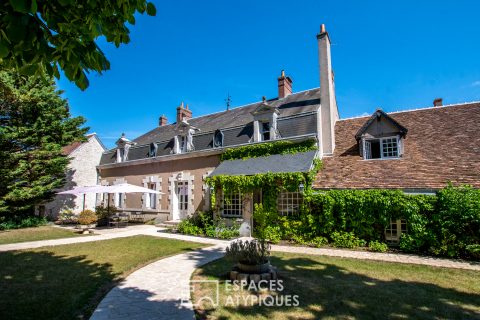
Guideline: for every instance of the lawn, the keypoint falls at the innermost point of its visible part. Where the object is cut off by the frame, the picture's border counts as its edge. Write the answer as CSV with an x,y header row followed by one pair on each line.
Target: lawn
x,y
68,281
336,288
35,234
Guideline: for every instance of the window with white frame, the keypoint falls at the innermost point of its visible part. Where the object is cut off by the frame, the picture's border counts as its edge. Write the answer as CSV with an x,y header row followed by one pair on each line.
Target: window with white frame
x,y
151,198
395,230
232,205
182,193
289,202
382,148
265,131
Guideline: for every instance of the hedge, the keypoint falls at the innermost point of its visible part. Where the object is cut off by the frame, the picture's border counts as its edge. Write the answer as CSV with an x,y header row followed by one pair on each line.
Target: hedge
x,y
445,224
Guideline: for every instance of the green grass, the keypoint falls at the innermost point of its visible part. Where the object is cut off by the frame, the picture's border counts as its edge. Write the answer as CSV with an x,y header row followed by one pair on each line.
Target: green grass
x,y
35,234
336,288
68,281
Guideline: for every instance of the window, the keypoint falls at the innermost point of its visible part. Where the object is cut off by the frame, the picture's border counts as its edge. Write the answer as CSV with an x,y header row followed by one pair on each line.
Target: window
x,y
153,150
395,230
232,205
182,192
120,155
389,148
265,131
218,139
119,197
151,198
289,202
183,144
383,148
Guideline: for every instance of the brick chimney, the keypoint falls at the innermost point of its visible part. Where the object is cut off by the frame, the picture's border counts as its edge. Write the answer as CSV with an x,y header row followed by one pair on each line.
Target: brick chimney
x,y
328,114
183,113
162,121
438,102
284,86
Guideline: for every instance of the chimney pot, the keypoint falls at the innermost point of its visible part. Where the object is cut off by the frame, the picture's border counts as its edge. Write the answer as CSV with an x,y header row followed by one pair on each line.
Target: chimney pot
x,y
162,121
322,28
183,113
284,85
438,102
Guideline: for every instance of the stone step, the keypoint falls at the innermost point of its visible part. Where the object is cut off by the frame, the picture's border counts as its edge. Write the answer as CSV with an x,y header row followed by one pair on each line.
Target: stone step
x,y
172,224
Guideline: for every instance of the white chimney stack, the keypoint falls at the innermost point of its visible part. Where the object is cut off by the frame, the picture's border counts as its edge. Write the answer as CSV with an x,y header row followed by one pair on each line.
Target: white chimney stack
x,y
328,102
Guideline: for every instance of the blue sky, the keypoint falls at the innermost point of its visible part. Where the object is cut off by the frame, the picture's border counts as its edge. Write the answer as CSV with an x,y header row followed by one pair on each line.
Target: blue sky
x,y
395,55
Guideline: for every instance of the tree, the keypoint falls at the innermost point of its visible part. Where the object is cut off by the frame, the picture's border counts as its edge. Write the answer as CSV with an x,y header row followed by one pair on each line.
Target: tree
x,y
35,124
41,36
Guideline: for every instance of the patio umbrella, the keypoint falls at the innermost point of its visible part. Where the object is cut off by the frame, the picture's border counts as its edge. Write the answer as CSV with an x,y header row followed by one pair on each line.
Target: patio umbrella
x,y
117,188
82,190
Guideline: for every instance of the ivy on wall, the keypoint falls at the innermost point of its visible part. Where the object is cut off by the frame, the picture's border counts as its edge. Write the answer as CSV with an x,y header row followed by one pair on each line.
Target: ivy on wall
x,y
270,183
267,149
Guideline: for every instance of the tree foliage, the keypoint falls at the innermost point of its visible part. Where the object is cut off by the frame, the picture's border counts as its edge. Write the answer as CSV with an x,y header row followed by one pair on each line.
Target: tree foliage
x,y
35,124
43,36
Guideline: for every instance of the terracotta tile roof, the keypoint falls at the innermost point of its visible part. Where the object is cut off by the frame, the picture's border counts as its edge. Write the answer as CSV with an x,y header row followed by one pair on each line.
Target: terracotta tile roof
x,y
71,147
74,145
442,144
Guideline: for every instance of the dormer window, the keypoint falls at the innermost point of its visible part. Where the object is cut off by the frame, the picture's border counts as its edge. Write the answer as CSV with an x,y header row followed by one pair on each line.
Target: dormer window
x,y
381,137
183,142
265,122
123,147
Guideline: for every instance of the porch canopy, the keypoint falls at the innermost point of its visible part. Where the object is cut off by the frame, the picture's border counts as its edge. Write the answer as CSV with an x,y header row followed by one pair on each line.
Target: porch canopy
x,y
276,163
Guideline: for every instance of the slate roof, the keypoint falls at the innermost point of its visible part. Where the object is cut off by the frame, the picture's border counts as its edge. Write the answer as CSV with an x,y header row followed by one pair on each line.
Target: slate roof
x,y
301,102
299,162
442,145
236,125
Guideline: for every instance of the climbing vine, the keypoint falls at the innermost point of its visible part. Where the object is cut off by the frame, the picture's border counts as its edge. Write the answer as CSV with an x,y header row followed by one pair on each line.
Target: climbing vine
x,y
267,149
270,183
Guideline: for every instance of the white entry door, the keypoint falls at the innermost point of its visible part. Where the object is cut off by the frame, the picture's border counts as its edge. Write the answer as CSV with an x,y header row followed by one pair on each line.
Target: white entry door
x,y
182,196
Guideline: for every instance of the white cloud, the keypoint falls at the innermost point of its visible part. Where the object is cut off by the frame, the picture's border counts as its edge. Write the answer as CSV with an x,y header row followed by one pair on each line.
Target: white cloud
x,y
476,83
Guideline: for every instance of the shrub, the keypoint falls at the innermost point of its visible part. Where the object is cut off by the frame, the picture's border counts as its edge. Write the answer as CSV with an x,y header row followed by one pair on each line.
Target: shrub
x,y
67,217
456,221
473,250
377,246
87,217
251,252
346,240
23,222
299,239
223,231
104,213
273,234
187,227
318,242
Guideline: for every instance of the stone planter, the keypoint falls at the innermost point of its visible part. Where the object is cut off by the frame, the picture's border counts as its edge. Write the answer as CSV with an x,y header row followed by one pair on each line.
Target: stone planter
x,y
266,273
85,229
257,268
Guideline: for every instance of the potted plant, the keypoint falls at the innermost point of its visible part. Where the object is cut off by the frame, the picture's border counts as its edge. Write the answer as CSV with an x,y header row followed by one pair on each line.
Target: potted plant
x,y
251,256
87,220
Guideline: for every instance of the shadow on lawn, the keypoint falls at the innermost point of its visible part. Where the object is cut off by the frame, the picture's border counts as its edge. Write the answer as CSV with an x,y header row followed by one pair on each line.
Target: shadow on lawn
x,y
41,285
326,290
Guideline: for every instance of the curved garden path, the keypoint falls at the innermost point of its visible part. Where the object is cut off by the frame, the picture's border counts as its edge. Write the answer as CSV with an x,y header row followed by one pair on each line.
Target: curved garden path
x,y
158,291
